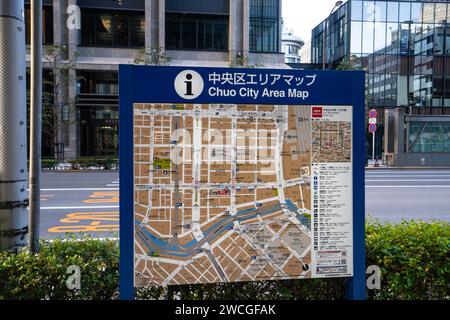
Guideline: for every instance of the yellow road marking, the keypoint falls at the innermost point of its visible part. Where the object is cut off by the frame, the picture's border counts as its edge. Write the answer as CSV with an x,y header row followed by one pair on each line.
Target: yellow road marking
x,y
76,217
85,228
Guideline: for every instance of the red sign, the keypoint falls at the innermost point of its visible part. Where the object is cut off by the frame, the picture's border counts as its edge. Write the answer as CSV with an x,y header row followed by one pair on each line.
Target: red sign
x,y
373,113
317,112
372,127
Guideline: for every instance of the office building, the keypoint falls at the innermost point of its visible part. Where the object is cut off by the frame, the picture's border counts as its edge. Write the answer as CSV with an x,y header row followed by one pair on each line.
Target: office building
x,y
215,33
291,46
404,47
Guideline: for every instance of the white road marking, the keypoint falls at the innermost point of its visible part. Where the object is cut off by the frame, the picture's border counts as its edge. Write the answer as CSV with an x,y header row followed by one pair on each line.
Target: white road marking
x,y
79,207
80,189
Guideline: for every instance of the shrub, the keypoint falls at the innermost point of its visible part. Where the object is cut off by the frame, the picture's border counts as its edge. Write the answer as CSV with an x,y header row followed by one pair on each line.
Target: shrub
x,y
98,163
43,275
413,256
49,163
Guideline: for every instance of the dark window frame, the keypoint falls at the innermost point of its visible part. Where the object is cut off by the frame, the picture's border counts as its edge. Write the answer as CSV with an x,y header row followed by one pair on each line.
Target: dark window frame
x,y
176,32
260,19
90,19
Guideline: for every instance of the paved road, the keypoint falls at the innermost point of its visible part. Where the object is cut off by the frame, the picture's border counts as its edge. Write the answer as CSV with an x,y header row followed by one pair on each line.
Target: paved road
x,y
393,195
88,201
80,202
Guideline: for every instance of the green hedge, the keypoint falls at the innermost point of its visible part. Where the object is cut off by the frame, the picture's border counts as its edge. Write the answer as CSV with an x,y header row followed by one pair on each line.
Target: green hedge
x,y
43,275
85,163
413,256
49,164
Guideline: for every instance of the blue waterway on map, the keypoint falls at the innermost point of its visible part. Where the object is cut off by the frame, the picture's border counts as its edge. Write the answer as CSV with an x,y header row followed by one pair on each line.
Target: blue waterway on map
x,y
292,207
164,246
162,243
259,212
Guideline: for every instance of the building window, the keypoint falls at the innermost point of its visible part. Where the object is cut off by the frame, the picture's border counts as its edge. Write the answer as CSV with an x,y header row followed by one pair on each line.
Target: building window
x,y
264,25
98,130
47,24
101,28
196,32
291,49
429,137
97,82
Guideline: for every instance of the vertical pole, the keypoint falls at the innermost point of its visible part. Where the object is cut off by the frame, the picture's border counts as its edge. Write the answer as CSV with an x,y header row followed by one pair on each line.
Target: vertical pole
x,y
35,124
13,127
373,146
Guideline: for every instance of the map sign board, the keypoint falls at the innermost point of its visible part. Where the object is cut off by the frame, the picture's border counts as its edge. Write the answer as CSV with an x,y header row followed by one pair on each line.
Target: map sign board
x,y
240,175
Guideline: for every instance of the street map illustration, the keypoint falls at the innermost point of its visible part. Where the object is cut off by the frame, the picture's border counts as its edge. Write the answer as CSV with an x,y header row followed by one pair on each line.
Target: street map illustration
x,y
223,192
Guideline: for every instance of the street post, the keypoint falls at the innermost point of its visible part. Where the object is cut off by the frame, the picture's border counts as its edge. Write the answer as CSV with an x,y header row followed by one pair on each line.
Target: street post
x,y
13,127
35,124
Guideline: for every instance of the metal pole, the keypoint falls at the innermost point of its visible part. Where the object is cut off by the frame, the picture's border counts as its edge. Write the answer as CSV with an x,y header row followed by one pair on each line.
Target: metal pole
x,y
373,146
35,124
13,127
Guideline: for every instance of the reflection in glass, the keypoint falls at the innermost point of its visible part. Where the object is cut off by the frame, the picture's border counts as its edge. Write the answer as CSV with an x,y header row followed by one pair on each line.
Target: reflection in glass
x,y
197,32
416,12
112,29
137,31
369,11
438,91
440,13
356,38
429,136
368,32
427,39
439,39
406,42
121,31
380,36
428,13
447,92
405,11
447,39
392,11
104,35
392,38
380,11
356,10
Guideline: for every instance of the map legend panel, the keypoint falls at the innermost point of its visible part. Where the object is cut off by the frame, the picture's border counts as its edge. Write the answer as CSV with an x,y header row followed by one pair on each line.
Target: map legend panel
x,y
332,191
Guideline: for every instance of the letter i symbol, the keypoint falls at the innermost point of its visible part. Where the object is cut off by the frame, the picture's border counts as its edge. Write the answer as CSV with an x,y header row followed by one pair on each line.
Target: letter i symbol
x,y
189,85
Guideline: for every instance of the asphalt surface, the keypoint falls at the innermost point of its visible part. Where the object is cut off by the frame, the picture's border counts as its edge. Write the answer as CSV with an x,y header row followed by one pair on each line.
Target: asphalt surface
x,y
80,202
88,202
393,195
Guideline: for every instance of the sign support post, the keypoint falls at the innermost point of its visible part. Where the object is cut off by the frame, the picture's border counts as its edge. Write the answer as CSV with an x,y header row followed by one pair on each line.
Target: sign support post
x,y
373,146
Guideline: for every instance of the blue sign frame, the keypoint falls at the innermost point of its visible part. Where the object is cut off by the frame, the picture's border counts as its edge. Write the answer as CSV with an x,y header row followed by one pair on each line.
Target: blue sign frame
x,y
150,84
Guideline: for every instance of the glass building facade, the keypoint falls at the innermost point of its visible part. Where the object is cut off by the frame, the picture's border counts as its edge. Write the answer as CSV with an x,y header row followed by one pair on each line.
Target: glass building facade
x,y
196,32
404,47
107,28
82,121
429,137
